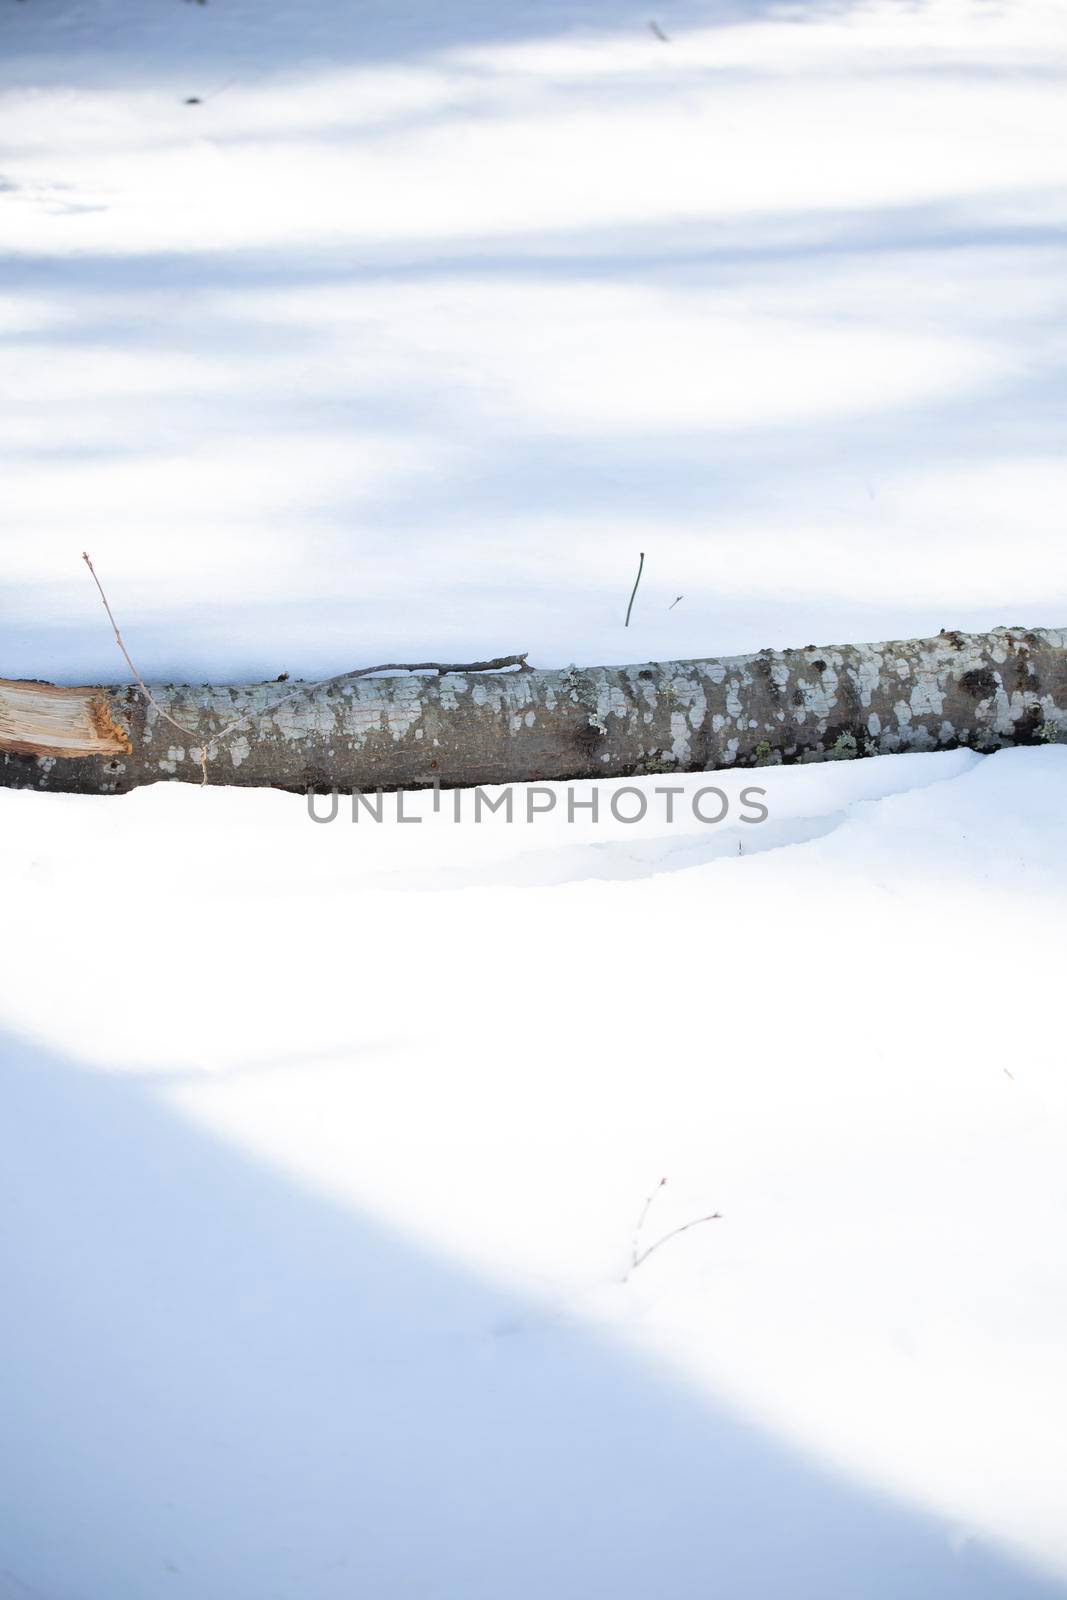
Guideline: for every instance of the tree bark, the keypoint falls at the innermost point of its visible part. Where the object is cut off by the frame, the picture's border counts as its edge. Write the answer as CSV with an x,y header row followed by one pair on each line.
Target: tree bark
x,y
461,728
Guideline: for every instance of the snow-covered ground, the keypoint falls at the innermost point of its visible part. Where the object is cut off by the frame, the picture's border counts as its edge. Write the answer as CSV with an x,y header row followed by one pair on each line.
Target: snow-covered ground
x,y
324,1146
434,313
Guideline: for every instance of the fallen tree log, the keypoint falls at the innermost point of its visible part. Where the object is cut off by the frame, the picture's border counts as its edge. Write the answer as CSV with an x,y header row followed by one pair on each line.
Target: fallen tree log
x,y
469,727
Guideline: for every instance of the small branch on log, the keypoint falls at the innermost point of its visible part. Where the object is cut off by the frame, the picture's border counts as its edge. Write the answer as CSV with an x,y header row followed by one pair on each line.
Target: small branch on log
x,y
496,665
429,723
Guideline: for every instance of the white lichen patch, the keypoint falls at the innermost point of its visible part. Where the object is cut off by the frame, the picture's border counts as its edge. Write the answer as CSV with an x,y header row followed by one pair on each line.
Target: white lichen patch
x,y
866,675
520,687
569,683
1007,709
612,701
927,699
401,716
643,687
818,700
680,736
452,685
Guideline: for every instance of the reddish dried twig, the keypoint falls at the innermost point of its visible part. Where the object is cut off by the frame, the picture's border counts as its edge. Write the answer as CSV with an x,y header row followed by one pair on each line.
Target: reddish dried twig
x,y
637,1255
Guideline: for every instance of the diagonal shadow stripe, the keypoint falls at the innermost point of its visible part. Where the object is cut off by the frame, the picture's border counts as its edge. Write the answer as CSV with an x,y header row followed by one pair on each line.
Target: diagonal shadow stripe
x,y
215,1384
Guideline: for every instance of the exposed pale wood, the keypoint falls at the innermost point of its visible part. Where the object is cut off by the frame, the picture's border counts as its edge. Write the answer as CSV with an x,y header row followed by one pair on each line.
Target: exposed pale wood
x,y
39,719
984,691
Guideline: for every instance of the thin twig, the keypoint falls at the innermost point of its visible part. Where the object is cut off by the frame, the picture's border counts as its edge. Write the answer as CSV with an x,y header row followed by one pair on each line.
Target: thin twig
x,y
637,580
658,31
641,1222
145,690
675,602
714,1216
637,1255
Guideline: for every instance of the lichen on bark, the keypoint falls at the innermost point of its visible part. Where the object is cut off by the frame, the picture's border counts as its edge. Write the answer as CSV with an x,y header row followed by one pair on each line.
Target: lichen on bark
x,y
988,690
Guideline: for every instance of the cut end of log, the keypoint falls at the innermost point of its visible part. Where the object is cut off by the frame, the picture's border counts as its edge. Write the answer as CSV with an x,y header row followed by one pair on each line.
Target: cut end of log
x,y
39,719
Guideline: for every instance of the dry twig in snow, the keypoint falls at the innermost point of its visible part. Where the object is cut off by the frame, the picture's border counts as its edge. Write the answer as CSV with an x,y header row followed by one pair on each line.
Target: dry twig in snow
x,y
637,1255
637,580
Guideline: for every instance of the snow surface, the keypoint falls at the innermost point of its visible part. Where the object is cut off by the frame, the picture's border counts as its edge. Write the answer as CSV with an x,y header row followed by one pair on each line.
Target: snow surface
x,y
327,1143
431,316
324,1146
